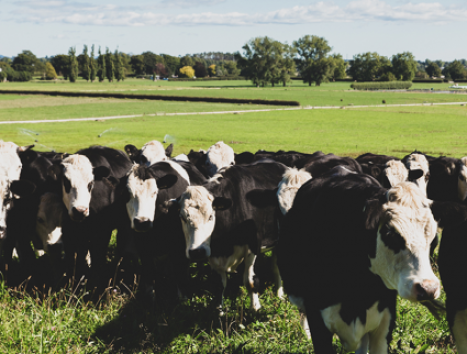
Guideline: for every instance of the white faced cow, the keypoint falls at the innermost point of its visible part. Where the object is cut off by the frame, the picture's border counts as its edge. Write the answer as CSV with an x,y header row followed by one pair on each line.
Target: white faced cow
x,y
219,224
347,248
419,162
219,155
291,182
150,153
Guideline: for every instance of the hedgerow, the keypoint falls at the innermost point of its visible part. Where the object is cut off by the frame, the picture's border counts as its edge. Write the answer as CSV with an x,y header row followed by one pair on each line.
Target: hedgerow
x,y
382,85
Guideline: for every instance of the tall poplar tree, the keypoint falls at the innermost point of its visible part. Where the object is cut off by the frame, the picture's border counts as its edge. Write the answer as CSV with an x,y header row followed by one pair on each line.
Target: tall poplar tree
x,y
85,70
92,65
109,65
101,70
73,64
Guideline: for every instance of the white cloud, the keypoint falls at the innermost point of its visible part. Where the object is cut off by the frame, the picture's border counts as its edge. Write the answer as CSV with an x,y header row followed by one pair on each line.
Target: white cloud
x,y
74,12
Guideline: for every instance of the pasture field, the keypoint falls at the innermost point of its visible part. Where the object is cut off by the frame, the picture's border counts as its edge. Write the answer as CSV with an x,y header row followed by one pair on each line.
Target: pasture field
x,y
67,322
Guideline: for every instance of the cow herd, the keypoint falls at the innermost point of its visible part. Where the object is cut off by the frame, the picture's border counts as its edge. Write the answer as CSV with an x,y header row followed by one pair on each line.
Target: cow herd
x,y
347,235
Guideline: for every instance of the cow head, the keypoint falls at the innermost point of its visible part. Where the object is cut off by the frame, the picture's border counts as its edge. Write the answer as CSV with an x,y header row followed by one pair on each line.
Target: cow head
x,y
219,155
462,183
150,153
197,212
143,187
49,219
405,232
416,163
78,177
291,182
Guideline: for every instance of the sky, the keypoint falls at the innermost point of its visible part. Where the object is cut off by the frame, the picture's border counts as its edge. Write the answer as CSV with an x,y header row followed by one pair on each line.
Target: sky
x,y
429,29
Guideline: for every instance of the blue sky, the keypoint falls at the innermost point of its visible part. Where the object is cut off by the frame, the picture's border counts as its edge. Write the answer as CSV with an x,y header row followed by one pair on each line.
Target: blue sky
x,y
429,29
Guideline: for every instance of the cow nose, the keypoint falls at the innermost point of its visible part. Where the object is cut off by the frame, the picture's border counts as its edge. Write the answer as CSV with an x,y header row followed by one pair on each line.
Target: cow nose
x,y
427,290
197,253
2,232
79,213
142,224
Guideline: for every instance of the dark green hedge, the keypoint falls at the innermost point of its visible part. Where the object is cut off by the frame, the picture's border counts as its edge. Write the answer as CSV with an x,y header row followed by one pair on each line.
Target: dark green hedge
x,y
209,79
382,85
12,75
460,80
154,97
431,81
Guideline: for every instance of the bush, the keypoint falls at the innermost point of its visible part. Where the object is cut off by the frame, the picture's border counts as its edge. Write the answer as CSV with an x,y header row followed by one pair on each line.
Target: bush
x,y
13,75
187,72
382,85
389,76
50,73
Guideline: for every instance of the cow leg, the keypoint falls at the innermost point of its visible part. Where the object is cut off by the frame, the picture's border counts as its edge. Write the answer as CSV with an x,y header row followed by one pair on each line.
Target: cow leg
x,y
219,292
304,324
363,349
321,336
277,276
249,281
379,342
459,330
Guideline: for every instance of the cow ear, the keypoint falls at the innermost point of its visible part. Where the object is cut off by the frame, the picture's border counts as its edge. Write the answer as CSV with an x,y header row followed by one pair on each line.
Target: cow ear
x,y
169,150
262,198
221,203
166,182
111,181
22,188
131,151
372,210
415,174
55,171
172,206
100,172
375,171
25,148
448,213
28,156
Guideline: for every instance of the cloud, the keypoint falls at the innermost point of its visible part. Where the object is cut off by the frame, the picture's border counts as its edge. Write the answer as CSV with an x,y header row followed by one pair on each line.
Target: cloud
x,y
81,13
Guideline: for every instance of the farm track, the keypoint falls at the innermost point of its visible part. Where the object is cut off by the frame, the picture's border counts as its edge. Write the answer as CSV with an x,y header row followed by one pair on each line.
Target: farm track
x,y
230,112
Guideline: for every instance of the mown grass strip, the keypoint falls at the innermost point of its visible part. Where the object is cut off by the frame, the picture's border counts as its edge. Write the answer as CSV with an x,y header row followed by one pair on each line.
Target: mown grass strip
x,y
155,97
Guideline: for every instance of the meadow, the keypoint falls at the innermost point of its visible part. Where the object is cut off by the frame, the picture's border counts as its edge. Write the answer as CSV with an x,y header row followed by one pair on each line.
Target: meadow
x,y
120,321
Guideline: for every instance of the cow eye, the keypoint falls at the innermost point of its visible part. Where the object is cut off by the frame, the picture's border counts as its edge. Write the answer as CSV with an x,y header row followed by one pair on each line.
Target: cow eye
x,y
40,220
392,239
66,184
211,217
90,185
461,177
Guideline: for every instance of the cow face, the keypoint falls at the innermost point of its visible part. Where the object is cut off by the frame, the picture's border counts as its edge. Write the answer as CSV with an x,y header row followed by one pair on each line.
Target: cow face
x,y
291,182
219,155
143,187
150,153
462,183
416,163
197,212
405,232
49,219
78,177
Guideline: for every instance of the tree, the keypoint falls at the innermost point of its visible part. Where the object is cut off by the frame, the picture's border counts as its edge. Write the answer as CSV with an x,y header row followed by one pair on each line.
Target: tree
x,y
61,63
92,65
455,70
150,61
84,64
161,70
433,70
404,66
368,66
73,64
212,70
101,69
50,73
200,70
187,61
187,71
339,67
171,63
137,63
25,61
109,65
118,64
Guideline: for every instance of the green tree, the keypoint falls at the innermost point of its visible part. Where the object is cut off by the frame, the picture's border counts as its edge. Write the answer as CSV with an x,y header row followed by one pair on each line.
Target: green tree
x,y
84,64
340,67
73,64
433,70
137,63
92,65
171,63
109,65
61,63
368,66
455,70
101,69
230,68
150,61
187,71
119,69
50,73
187,61
200,70
404,66
25,61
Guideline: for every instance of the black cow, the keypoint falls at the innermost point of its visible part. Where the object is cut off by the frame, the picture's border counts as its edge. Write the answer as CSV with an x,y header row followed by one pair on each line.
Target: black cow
x,y
322,164
374,159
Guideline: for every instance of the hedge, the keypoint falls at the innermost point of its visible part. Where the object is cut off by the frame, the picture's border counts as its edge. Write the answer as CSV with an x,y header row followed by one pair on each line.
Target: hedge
x,y
430,81
209,78
460,80
154,97
382,85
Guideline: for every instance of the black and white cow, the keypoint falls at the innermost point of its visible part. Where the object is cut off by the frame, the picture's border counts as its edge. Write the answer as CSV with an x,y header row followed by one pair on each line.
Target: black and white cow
x,y
321,165
218,156
93,199
219,224
292,159
150,153
374,159
347,248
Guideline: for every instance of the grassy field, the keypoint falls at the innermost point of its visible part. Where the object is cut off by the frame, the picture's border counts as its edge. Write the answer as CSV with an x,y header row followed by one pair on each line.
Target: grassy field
x,y
66,322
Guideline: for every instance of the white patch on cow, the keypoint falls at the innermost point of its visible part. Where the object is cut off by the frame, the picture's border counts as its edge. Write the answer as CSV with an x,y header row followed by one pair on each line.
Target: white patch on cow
x,y
462,183
291,182
353,336
49,219
180,170
396,172
219,155
143,196
78,170
10,170
408,214
198,218
459,330
181,157
419,162
154,152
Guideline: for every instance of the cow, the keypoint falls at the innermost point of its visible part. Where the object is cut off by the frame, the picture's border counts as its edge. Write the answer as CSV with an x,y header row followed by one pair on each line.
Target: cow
x,y
292,159
219,224
419,162
322,164
448,179
374,159
150,153
347,247
394,172
92,195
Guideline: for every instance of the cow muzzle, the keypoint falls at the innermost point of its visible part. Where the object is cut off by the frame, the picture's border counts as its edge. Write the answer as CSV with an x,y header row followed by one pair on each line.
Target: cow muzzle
x,y
79,213
197,253
142,224
427,290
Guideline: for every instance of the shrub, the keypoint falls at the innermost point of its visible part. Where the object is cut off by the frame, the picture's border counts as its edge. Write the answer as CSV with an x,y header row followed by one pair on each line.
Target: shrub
x,y
50,73
382,85
389,76
187,72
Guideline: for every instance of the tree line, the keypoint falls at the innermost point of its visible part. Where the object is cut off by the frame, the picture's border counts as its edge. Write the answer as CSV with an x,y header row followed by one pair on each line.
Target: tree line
x,y
262,60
